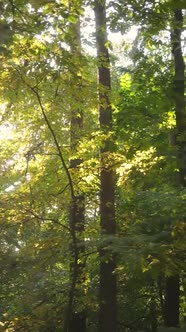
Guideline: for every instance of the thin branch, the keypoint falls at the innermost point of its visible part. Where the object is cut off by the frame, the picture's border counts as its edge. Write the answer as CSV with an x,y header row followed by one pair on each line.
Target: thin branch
x,y
62,190
55,141
48,219
33,89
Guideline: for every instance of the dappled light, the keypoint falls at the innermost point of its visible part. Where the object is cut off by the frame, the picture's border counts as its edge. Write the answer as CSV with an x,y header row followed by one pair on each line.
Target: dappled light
x,y
92,166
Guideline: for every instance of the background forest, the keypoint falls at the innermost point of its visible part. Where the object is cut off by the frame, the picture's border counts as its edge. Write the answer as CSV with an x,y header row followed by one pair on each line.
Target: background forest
x,y
92,166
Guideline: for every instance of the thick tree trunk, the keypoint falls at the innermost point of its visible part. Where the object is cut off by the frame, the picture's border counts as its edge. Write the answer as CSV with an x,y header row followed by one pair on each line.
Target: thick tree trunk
x,y
172,301
178,92
172,282
107,294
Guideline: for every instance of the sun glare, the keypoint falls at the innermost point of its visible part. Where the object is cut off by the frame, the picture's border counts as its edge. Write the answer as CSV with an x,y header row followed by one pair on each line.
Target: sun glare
x,y
5,127
6,132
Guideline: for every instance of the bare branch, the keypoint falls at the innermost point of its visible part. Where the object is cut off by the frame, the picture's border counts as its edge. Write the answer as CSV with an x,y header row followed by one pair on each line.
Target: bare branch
x,y
56,221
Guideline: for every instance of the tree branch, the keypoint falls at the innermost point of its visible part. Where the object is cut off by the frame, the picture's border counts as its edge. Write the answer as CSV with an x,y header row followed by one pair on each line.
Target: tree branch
x,y
48,219
34,90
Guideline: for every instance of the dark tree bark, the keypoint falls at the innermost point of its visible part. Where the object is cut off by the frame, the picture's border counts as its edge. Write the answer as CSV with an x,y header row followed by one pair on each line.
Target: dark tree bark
x,y
107,293
178,94
172,301
77,316
172,283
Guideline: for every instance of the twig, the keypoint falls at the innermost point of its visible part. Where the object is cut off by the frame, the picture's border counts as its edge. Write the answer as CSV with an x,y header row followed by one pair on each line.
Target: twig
x,y
48,219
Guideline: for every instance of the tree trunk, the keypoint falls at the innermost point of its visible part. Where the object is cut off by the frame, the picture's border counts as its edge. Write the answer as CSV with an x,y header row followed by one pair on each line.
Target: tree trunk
x,y
76,320
107,292
77,317
178,93
172,301
172,282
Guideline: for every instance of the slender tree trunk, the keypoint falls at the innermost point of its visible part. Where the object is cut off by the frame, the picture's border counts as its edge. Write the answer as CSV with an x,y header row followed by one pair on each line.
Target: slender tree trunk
x,y
107,294
76,320
172,283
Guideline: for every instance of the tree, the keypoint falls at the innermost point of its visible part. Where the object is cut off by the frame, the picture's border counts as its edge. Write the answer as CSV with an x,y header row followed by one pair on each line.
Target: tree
x,y
76,317
107,293
172,299
68,178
